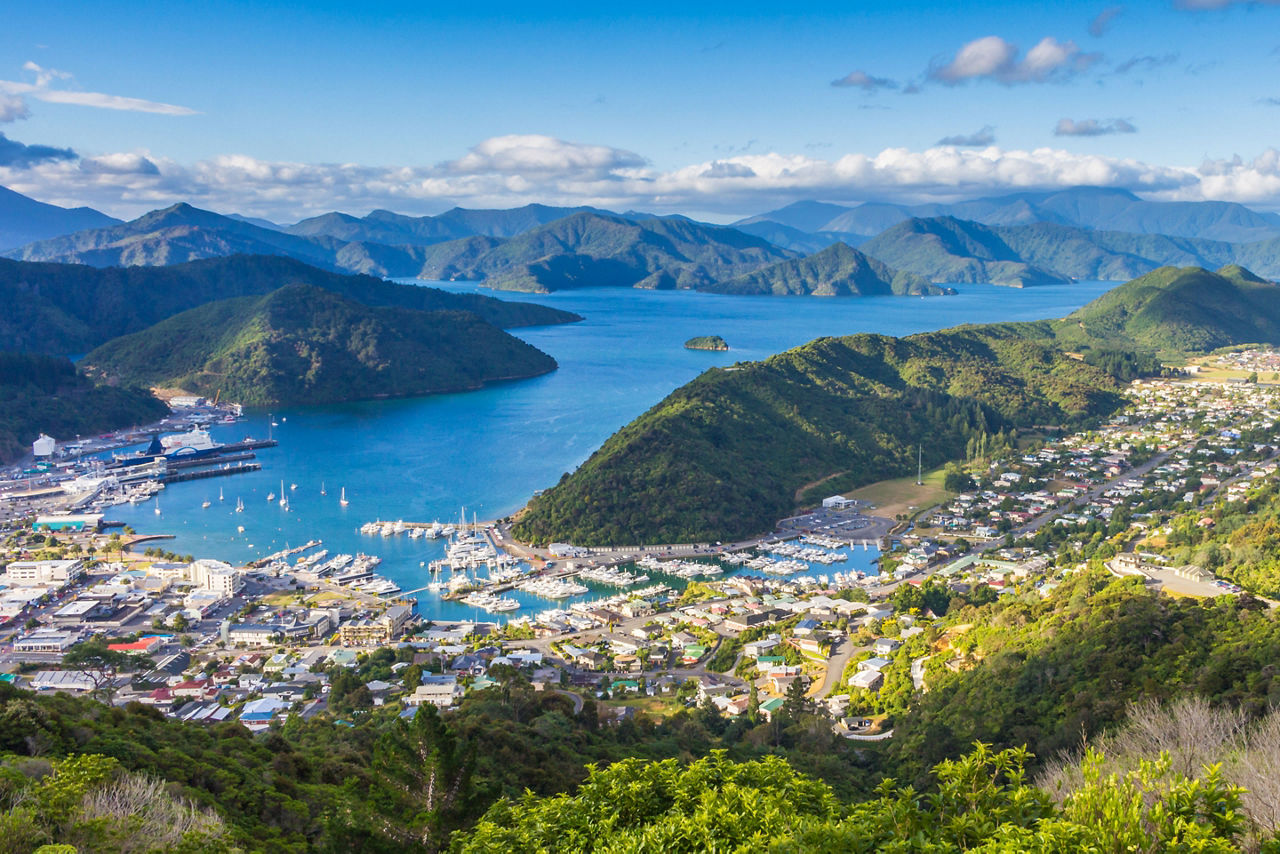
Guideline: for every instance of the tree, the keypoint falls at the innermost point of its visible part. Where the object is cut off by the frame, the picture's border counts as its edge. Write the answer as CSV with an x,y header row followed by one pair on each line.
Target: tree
x,y
102,665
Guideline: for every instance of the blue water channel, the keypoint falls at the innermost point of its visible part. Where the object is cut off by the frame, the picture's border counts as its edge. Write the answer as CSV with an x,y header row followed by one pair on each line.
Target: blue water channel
x,y
425,458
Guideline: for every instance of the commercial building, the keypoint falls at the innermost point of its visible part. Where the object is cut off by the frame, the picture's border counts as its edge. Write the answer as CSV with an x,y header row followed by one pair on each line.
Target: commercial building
x,y
44,573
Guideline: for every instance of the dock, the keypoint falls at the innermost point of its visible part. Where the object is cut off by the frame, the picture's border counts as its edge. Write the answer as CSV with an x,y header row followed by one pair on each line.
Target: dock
x,y
242,468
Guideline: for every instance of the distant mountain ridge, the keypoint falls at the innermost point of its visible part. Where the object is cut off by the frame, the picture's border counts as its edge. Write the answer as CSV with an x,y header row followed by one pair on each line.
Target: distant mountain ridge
x,y
1099,208
946,249
300,344
24,220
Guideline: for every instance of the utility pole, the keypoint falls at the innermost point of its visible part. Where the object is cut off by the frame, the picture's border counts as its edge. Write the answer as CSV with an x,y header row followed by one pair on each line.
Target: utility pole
x,y
920,466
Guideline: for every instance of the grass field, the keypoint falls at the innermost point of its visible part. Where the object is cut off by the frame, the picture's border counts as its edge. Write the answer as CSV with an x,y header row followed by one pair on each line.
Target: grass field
x,y
902,495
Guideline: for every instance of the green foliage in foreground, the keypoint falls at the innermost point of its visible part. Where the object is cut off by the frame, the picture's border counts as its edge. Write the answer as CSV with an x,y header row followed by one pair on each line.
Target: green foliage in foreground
x,y
302,344
1042,672
982,802
725,455
45,394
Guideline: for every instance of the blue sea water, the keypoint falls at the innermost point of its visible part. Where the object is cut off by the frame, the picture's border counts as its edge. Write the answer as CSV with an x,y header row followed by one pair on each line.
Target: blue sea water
x,y
488,450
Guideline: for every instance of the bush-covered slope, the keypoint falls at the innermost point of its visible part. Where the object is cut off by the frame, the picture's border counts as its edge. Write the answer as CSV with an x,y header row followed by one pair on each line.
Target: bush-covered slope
x,y
302,344
724,455
945,249
592,250
837,270
45,394
71,308
1180,310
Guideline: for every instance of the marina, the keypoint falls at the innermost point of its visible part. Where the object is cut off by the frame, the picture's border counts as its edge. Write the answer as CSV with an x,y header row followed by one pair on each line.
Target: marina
x,y
418,460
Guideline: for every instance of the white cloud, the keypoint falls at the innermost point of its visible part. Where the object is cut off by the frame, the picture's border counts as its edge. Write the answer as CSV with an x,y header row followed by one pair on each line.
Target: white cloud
x,y
12,108
519,154
45,89
864,81
1092,127
993,58
515,170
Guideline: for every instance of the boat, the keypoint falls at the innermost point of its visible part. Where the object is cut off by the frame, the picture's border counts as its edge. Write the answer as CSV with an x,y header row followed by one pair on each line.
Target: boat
x,y
284,500
489,602
343,500
322,492
157,506
240,528
292,487
271,496
239,505
195,441
220,498
206,504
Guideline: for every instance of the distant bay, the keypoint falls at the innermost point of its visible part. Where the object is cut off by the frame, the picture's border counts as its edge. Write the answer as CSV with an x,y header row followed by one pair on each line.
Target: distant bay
x,y
425,458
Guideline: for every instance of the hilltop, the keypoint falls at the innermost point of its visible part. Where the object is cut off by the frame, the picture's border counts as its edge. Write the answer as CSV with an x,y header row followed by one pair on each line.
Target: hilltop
x,y
838,270
946,249
1180,310
302,344
72,308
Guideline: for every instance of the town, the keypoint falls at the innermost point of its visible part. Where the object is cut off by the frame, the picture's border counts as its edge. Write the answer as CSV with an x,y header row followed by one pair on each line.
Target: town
x,y
734,628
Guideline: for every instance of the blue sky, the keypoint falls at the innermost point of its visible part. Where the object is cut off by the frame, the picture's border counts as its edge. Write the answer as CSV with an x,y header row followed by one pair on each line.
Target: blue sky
x,y
287,109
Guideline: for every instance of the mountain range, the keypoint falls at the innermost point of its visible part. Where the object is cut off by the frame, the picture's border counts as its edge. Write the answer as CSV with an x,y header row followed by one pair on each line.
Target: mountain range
x,y
24,220
1098,208
1022,239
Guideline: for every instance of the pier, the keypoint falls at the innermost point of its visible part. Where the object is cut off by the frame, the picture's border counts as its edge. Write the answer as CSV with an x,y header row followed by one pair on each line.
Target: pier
x,y
242,468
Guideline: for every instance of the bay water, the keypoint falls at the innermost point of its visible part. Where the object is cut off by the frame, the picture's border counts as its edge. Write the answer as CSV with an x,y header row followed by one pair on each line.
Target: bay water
x,y
423,459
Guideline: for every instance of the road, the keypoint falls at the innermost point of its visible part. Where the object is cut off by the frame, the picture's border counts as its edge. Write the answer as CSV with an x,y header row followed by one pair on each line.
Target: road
x,y
835,667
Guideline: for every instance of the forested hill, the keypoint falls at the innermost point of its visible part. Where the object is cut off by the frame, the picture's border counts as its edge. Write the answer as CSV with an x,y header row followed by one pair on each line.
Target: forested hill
x,y
724,455
1180,310
45,394
301,344
71,308
838,270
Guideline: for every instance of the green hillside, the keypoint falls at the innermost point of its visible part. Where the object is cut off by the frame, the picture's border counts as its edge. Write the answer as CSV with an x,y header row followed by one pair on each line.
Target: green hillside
x,y
1179,310
725,455
945,249
591,250
45,394
837,270
302,344
72,308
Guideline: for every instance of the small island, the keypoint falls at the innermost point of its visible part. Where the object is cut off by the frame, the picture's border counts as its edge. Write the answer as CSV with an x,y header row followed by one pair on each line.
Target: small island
x,y
706,342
